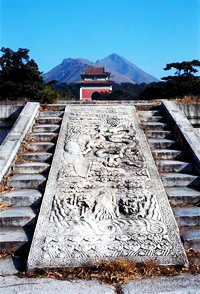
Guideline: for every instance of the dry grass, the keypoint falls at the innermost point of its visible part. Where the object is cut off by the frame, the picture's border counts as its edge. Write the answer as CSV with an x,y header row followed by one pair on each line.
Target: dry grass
x,y
188,100
25,149
120,272
24,145
4,184
4,254
44,107
20,159
4,205
144,107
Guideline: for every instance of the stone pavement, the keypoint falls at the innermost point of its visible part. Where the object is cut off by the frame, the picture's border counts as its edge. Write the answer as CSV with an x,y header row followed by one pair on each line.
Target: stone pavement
x,y
14,285
188,284
185,284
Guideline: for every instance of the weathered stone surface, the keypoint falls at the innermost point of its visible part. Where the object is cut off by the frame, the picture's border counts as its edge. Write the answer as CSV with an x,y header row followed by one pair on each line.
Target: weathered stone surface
x,y
165,285
30,168
14,285
11,144
180,195
26,181
40,146
10,111
104,198
11,238
180,180
160,143
21,197
158,134
6,268
191,237
48,120
45,128
198,131
43,137
167,166
51,113
40,156
166,154
16,216
187,216
185,128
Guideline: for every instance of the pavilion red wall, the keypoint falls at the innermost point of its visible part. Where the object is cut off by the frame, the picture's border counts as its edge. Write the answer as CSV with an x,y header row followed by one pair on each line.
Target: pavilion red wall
x,y
87,93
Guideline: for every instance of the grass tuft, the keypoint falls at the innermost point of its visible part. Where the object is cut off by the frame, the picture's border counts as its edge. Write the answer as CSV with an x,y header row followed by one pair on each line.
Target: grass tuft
x,y
4,205
190,99
4,184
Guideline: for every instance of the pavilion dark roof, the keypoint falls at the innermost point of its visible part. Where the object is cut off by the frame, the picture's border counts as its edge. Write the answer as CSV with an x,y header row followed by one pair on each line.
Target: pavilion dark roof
x,y
95,71
108,82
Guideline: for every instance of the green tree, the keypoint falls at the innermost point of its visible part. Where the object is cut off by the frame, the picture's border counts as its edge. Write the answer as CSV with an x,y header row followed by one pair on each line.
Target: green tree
x,y
184,70
184,81
20,77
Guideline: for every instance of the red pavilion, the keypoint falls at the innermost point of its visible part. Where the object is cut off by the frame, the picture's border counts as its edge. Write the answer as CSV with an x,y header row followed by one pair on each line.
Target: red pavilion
x,y
94,81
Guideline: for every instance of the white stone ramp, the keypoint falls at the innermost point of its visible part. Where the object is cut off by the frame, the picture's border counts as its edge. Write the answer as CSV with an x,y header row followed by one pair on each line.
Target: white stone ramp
x,y
104,198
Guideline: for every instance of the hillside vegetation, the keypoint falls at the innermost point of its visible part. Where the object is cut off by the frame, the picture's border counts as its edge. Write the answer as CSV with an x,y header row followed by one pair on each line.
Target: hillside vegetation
x,y
20,78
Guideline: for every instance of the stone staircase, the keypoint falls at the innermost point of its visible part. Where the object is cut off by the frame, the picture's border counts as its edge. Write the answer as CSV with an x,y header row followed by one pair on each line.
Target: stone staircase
x,y
181,181
26,181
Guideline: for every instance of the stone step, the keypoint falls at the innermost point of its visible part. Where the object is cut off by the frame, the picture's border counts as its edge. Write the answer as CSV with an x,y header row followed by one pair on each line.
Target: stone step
x,y
147,107
45,128
152,118
159,154
149,113
170,166
23,197
30,168
16,216
43,137
40,146
158,134
154,126
51,113
197,130
195,121
161,143
12,238
37,156
179,180
48,120
191,237
26,181
182,195
187,216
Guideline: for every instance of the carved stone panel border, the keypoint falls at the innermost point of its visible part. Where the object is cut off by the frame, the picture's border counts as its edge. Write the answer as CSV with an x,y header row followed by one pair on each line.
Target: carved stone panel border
x,y
104,198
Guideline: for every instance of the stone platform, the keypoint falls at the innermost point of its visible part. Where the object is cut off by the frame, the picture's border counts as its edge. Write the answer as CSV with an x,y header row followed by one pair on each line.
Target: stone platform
x,y
186,284
104,198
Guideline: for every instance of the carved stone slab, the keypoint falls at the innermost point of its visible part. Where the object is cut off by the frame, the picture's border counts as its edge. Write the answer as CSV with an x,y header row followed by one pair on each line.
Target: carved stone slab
x,y
104,198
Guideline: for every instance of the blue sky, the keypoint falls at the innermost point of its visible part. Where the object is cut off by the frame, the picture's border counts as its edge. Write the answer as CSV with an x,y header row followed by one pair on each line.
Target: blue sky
x,y
149,33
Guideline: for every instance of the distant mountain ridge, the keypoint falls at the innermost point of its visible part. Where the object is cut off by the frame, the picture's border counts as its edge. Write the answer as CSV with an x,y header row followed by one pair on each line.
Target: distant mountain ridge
x,y
120,68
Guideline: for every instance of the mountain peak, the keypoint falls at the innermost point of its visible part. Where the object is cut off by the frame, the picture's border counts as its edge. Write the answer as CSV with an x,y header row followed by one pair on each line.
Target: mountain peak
x,y
82,60
66,60
114,56
120,68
